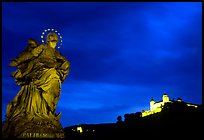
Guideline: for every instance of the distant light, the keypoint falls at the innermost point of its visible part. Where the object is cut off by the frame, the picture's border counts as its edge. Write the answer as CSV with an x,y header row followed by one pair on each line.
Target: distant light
x,y
79,128
192,105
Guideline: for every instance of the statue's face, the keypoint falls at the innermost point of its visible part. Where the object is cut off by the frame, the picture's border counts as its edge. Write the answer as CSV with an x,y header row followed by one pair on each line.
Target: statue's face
x,y
52,40
52,44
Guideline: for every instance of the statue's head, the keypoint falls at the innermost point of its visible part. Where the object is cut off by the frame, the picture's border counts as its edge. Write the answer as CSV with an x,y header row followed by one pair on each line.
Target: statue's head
x,y
52,39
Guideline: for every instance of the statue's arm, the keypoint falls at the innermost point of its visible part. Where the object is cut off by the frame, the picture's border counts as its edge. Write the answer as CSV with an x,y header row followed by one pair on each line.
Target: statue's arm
x,y
64,69
36,51
25,54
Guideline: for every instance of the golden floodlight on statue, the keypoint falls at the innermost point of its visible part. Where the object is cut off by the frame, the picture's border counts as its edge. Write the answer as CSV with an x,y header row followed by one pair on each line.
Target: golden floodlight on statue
x,y
46,31
41,70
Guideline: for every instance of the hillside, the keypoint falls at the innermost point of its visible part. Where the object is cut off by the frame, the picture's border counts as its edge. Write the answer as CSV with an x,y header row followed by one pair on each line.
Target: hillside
x,y
176,120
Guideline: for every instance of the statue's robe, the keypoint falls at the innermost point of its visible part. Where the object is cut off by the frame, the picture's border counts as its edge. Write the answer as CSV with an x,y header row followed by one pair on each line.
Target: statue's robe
x,y
41,85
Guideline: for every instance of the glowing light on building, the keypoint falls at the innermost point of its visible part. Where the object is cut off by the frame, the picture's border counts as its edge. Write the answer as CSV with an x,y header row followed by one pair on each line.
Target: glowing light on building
x,y
192,105
156,107
79,129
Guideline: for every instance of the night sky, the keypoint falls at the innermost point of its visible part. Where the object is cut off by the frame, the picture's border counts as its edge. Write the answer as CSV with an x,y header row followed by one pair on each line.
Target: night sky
x,y
121,54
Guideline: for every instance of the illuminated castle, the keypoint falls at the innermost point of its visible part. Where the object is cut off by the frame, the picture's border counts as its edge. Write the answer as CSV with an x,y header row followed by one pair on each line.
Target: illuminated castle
x,y
156,107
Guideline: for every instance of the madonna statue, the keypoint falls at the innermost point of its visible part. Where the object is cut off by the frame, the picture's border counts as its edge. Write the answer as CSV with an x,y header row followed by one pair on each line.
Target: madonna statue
x,y
41,69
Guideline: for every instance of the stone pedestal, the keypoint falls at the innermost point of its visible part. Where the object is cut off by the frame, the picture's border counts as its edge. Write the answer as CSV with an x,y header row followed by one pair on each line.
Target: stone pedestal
x,y
32,128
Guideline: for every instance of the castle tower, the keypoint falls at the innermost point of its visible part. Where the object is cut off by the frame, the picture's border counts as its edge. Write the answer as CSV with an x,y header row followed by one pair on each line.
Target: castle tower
x,y
152,102
165,98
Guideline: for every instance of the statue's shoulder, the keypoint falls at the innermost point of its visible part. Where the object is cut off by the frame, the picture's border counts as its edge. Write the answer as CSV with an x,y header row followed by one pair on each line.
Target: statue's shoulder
x,y
42,46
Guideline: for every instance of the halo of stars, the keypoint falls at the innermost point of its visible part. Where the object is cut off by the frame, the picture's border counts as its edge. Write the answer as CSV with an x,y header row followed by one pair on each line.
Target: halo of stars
x,y
51,30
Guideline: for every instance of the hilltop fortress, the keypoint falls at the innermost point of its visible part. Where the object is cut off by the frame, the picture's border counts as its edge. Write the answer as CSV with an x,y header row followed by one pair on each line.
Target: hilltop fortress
x,y
156,107
137,124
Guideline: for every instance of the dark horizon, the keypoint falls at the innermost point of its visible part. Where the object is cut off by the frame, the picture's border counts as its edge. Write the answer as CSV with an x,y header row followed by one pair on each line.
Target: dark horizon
x,y
175,120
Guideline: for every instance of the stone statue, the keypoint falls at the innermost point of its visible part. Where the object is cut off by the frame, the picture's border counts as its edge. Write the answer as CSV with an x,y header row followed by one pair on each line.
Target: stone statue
x,y
40,71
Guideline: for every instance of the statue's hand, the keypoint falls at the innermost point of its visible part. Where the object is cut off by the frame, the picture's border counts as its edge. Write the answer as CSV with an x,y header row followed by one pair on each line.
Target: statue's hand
x,y
64,66
17,74
13,63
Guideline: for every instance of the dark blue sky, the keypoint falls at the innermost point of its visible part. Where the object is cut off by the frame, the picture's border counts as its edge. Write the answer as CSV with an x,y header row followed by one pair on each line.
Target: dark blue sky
x,y
121,54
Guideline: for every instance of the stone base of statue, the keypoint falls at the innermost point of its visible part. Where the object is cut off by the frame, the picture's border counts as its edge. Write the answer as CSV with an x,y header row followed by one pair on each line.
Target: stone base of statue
x,y
33,127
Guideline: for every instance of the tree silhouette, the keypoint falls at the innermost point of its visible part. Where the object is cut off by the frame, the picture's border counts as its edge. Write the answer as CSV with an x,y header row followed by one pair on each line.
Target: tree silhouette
x,y
119,119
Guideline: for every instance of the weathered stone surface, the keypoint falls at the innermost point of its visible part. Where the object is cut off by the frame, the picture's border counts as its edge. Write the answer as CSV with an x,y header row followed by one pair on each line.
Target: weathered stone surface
x,y
34,128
